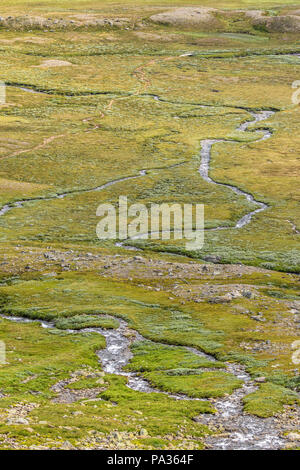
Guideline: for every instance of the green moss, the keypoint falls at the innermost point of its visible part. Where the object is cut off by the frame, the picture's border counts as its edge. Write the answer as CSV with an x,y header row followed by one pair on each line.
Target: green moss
x,y
88,111
78,322
269,400
217,329
153,443
85,383
198,385
45,360
36,359
148,356
278,294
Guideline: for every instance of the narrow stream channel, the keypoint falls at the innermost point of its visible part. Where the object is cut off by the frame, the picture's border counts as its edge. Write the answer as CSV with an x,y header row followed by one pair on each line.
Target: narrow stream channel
x,y
244,432
204,170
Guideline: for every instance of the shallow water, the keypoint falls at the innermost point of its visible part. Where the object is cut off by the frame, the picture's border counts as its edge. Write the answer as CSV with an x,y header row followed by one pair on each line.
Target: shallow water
x,y
245,432
206,149
204,169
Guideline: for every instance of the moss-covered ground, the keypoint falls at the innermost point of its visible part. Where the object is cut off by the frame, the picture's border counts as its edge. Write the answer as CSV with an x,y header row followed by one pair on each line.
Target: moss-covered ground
x,y
80,112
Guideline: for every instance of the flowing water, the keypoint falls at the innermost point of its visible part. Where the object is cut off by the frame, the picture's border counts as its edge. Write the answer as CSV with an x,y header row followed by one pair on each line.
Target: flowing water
x,y
244,432
206,150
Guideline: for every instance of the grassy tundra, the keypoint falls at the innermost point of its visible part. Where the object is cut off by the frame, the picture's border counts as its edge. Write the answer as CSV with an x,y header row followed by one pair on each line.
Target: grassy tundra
x,y
81,78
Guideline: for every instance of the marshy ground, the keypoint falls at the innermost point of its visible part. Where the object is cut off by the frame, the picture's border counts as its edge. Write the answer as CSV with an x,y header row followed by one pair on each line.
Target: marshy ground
x,y
96,94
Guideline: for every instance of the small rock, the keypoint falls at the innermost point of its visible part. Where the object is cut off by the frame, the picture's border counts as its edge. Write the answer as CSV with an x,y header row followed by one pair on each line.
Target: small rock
x,y
257,318
17,421
222,299
260,379
212,259
67,446
294,436
236,294
247,294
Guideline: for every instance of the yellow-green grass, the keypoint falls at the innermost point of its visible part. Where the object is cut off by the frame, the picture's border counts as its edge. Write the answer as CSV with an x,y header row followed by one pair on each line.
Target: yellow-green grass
x,y
224,330
91,152
31,351
198,385
149,356
96,122
37,359
269,399
95,6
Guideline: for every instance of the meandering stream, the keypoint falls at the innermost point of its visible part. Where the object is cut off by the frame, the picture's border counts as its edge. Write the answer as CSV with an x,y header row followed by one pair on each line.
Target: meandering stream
x,y
244,432
204,171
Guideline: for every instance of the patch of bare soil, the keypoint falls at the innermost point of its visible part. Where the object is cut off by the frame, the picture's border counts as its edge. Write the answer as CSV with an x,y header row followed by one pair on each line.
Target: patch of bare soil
x,y
68,395
216,293
279,24
18,413
32,259
29,22
188,16
31,40
89,17
54,63
156,37
84,16
254,14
